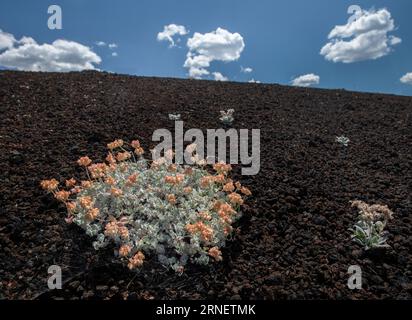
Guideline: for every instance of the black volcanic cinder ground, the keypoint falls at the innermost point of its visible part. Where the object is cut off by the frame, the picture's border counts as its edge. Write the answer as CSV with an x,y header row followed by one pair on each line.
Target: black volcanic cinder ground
x,y
293,241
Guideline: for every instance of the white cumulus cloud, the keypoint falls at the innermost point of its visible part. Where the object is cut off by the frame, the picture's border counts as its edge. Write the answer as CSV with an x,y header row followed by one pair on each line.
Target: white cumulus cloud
x,y
253,81
101,43
7,40
112,45
363,38
170,31
218,45
246,70
60,56
219,77
306,80
407,78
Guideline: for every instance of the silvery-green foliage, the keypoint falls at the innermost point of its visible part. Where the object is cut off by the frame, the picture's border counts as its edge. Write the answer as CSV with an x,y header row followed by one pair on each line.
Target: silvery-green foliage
x,y
369,231
342,140
227,116
155,225
174,116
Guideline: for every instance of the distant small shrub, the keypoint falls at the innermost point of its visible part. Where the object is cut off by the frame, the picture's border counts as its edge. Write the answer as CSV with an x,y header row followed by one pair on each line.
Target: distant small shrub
x,y
179,213
342,140
369,229
227,116
174,116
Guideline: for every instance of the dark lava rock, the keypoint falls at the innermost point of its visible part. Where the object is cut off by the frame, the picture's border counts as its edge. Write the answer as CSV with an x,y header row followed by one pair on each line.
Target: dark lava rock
x,y
16,157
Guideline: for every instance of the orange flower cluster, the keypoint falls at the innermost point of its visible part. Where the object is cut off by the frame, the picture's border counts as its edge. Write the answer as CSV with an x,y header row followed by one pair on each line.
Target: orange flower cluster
x,y
235,198
111,159
222,167
86,202
110,181
98,170
62,195
71,206
116,192
115,144
225,211
136,261
215,253
84,161
187,190
116,228
132,179
124,250
177,179
86,184
171,198
123,156
92,214
49,185
205,215
206,181
70,183
135,144
229,187
139,151
206,232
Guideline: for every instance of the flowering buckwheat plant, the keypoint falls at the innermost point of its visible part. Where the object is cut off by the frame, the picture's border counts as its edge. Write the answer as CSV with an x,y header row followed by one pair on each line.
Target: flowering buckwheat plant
x,y
227,116
179,213
369,230
342,140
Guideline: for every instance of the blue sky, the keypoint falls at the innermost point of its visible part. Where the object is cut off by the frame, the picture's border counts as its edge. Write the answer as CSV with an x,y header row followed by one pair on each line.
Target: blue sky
x,y
282,39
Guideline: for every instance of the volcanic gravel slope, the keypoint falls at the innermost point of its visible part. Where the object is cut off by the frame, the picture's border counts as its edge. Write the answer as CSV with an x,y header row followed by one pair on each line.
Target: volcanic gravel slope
x,y
293,240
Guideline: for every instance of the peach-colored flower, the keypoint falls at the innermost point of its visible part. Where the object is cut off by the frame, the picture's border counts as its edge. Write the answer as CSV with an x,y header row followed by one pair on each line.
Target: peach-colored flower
x,y
111,229
135,144
171,198
86,202
70,183
62,195
205,215
187,190
71,206
215,253
139,151
115,144
132,178
245,191
110,181
98,170
172,168
205,231
86,184
222,167
92,214
188,171
84,161
116,192
220,178
235,198
49,185
229,187
136,261
123,232
206,181
122,156
110,158
76,189
124,250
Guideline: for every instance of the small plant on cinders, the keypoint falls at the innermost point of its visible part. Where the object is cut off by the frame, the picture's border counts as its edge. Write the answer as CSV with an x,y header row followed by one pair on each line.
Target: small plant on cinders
x,y
226,117
177,213
174,116
369,231
342,140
